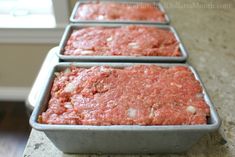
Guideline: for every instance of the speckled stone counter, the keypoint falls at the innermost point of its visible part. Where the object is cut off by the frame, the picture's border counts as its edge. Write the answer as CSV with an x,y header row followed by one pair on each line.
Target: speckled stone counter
x,y
207,28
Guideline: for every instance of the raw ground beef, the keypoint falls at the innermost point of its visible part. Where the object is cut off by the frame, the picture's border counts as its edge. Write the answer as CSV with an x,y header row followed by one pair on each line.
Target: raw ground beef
x,y
135,95
120,11
122,41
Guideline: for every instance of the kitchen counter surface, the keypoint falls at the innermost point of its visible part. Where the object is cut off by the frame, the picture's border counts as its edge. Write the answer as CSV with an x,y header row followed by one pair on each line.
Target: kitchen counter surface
x,y
207,29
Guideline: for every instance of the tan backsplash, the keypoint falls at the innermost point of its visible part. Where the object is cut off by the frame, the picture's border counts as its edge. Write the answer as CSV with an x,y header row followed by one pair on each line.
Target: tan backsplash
x,y
71,4
20,63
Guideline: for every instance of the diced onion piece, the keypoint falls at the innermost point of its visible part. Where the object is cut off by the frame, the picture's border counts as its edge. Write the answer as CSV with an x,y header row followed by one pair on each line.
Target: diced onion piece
x,y
86,52
77,51
100,17
199,95
134,45
132,112
109,39
70,87
67,70
57,74
151,114
191,109
104,69
68,105
175,84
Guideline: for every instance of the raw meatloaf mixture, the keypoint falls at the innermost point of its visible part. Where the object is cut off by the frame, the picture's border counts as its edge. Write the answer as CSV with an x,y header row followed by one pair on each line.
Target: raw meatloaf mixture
x,y
122,41
120,11
137,95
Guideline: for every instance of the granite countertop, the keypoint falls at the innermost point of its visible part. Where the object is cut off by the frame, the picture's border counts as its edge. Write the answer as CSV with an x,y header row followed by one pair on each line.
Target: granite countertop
x,y
207,29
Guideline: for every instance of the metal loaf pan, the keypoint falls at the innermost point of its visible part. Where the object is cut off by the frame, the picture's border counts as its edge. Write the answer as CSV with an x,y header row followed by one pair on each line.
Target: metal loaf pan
x,y
48,64
121,139
156,3
71,27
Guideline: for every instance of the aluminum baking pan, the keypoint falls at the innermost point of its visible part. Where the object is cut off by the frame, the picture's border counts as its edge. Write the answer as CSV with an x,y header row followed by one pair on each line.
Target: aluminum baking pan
x,y
156,3
121,139
48,64
169,59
